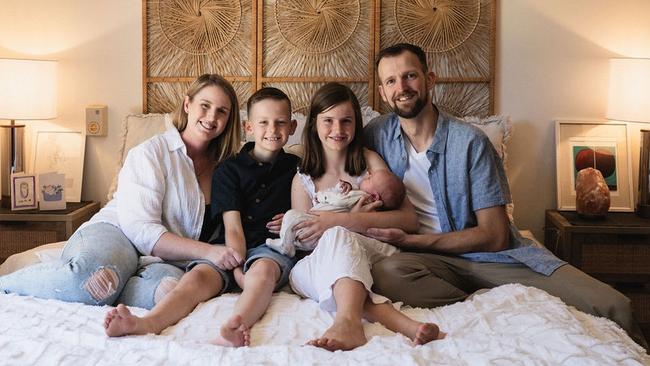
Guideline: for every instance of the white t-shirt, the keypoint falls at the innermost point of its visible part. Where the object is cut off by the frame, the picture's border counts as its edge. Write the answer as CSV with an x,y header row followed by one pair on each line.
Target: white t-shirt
x,y
418,189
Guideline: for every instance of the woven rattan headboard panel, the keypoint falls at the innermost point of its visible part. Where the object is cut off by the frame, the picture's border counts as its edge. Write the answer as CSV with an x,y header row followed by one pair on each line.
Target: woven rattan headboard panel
x,y
297,45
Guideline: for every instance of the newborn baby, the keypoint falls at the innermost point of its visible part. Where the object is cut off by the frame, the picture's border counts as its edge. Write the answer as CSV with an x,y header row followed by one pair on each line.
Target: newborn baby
x,y
380,185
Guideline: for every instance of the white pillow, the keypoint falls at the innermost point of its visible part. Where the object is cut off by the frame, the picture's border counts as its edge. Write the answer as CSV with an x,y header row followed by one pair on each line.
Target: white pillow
x,y
497,128
137,128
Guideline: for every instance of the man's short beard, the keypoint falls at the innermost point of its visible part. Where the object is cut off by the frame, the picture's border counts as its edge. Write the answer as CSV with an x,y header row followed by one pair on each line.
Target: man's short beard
x,y
417,108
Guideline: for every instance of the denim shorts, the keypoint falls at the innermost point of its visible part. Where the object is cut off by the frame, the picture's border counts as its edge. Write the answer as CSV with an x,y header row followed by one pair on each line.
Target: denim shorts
x,y
229,285
263,251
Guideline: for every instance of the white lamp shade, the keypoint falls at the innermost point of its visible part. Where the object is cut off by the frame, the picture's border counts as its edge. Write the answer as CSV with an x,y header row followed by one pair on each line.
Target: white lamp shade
x,y
629,90
28,89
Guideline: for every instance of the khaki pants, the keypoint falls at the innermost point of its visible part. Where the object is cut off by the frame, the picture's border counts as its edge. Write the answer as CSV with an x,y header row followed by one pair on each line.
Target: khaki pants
x,y
448,279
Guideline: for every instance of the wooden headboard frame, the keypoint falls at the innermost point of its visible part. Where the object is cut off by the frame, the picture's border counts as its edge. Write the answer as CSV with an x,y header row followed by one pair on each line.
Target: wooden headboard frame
x,y
297,47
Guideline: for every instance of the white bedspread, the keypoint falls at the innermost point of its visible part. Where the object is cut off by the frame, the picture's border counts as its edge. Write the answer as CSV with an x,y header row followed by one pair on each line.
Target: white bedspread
x,y
508,325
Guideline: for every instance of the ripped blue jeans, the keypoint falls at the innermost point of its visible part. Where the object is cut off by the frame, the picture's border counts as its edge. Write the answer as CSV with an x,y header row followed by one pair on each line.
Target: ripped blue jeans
x,y
98,266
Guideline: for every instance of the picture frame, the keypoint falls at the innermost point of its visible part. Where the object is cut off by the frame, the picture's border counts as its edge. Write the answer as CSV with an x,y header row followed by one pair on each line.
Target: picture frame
x,y
61,152
23,192
603,145
51,192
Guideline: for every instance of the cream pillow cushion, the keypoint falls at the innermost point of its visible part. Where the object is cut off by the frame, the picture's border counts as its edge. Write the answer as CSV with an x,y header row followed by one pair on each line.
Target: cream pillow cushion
x,y
136,128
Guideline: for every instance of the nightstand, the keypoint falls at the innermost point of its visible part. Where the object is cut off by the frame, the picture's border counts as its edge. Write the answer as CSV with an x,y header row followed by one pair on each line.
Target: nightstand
x,y
615,250
23,230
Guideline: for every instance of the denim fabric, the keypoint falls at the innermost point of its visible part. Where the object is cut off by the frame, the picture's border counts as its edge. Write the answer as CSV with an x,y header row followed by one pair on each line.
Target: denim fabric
x,y
264,251
466,175
96,246
227,277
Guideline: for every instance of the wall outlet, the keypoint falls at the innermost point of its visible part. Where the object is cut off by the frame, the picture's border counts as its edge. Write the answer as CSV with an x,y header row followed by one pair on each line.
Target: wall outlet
x,y
96,120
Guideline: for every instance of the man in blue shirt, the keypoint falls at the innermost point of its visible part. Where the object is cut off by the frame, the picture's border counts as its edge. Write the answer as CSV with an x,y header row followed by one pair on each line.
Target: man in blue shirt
x,y
457,183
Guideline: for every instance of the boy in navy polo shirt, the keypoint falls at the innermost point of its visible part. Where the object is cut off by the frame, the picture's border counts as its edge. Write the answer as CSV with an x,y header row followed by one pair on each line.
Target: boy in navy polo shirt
x,y
251,191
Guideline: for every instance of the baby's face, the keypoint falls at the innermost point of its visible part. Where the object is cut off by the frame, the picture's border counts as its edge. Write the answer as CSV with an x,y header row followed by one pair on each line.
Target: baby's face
x,y
368,185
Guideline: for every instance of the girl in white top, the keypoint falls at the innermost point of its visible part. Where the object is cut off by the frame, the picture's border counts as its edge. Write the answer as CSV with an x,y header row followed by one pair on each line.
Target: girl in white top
x,y
337,272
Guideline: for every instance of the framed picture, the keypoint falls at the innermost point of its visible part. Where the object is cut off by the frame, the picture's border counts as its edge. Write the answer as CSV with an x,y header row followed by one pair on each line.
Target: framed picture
x,y
51,191
602,145
62,152
23,192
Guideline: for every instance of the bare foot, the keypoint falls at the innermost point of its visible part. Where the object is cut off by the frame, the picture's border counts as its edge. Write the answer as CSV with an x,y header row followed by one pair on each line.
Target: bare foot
x,y
120,322
341,336
233,334
427,332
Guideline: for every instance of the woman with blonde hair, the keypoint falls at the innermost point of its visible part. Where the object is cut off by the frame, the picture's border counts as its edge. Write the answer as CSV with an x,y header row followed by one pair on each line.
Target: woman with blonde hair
x,y
159,209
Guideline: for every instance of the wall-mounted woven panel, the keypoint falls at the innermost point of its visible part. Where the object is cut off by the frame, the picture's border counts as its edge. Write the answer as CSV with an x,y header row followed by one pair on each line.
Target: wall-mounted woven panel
x,y
330,39
458,38
166,96
300,93
298,45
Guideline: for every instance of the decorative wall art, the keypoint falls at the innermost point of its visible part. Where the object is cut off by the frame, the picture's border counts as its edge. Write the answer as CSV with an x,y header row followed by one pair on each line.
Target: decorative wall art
x,y
298,45
600,145
62,152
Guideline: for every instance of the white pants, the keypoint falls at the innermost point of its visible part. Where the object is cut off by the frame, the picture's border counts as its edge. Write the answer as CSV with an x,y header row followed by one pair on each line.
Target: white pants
x,y
340,253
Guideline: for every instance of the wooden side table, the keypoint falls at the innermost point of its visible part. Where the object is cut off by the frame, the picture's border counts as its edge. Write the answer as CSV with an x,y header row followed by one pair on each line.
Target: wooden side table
x,y
24,230
615,250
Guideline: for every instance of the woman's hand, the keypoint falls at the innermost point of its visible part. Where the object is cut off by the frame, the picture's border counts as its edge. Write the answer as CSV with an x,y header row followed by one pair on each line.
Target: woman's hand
x,y
275,224
224,257
313,229
367,203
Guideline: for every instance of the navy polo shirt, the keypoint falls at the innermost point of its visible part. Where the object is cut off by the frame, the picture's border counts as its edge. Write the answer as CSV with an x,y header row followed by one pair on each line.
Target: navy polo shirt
x,y
256,189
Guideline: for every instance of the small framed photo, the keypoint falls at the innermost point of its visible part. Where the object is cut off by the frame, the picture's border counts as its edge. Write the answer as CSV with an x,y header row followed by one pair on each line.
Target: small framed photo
x,y
51,187
602,145
62,152
23,192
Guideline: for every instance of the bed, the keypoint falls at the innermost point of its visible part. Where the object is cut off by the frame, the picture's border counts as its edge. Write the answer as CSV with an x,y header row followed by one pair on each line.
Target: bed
x,y
507,325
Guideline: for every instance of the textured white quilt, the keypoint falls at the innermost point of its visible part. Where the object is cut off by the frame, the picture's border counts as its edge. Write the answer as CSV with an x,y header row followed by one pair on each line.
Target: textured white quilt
x,y
508,325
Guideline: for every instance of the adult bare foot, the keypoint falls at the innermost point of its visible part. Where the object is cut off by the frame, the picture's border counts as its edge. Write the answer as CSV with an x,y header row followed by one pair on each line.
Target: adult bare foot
x,y
342,335
233,334
427,332
120,322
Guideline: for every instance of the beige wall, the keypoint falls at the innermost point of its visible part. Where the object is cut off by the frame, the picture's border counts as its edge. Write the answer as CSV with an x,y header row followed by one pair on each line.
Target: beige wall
x,y
552,62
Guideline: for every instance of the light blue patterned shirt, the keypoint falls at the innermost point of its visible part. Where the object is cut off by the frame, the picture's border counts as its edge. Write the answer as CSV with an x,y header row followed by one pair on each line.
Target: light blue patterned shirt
x,y
466,175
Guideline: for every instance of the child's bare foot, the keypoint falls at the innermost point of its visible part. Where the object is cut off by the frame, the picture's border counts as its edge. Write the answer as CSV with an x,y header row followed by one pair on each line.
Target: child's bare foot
x,y
233,334
341,336
120,322
427,332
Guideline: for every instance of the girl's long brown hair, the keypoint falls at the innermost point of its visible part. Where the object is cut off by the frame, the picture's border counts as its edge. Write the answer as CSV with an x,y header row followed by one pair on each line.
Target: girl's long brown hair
x,y
313,162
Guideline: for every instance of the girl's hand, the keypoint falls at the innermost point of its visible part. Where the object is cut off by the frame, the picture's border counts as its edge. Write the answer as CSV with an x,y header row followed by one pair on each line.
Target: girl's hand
x,y
275,224
367,203
224,257
313,229
239,276
392,236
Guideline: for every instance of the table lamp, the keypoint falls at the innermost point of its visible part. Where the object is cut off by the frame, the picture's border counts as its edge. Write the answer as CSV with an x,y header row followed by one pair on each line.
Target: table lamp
x,y
629,100
27,92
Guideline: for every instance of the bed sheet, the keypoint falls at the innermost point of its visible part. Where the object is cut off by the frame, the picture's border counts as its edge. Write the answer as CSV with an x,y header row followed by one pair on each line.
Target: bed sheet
x,y
508,325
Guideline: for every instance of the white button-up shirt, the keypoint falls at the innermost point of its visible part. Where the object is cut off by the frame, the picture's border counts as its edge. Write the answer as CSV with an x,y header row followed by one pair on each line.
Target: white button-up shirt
x,y
157,192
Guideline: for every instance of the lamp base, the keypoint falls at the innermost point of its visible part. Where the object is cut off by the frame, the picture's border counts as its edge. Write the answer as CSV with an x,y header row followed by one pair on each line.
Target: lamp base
x,y
643,211
6,202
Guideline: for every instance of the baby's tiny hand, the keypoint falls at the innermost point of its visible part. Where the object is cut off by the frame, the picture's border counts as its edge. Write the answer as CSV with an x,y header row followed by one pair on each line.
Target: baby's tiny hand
x,y
345,186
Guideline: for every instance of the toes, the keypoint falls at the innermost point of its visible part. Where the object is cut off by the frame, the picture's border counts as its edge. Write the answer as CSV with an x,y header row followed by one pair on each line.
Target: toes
x,y
122,310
